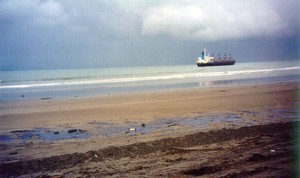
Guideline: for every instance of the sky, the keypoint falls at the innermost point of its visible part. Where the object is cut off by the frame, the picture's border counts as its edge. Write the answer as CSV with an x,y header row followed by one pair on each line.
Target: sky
x,y
50,34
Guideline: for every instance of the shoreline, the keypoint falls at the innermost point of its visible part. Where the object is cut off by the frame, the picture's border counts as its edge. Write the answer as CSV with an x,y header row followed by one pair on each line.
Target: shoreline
x,y
194,79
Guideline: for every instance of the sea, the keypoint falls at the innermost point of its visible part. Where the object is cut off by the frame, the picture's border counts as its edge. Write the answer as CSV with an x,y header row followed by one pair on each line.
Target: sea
x,y
69,83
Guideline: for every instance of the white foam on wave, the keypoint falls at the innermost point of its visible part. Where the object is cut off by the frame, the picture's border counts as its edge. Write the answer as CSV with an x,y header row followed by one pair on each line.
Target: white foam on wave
x,y
148,78
30,85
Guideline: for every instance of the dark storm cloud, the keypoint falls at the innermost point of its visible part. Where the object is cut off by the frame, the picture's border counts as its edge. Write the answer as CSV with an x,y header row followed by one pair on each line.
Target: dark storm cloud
x,y
70,33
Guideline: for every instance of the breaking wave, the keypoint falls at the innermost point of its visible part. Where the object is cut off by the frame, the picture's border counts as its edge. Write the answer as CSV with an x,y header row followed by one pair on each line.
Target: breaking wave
x,y
91,81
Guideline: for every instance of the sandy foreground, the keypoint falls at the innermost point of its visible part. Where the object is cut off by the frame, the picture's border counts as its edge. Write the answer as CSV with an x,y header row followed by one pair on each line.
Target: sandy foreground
x,y
214,132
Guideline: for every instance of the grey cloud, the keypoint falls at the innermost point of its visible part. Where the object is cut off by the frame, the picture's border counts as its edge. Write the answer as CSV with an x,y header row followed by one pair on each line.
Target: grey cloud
x,y
33,12
213,21
75,33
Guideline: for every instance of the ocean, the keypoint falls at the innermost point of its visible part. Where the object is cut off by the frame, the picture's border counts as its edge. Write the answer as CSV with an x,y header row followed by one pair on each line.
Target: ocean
x,y
66,83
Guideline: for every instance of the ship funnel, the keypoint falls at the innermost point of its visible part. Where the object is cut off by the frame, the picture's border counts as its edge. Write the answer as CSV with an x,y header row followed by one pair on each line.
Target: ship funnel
x,y
203,54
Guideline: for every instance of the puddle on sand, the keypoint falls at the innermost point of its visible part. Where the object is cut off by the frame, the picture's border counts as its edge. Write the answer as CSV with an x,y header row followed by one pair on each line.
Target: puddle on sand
x,y
43,134
106,129
134,128
291,113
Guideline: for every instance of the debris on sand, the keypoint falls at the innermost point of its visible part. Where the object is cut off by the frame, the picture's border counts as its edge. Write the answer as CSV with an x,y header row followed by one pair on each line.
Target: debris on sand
x,y
132,129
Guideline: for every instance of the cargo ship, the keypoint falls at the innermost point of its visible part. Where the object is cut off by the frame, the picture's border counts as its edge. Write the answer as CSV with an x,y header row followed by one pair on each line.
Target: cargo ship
x,y
211,60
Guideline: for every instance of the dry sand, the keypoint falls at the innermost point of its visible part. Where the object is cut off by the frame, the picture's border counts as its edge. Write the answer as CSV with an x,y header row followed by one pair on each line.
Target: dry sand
x,y
167,151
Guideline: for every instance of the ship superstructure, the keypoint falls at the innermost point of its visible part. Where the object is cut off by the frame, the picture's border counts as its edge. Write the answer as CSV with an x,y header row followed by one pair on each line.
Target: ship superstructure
x,y
211,60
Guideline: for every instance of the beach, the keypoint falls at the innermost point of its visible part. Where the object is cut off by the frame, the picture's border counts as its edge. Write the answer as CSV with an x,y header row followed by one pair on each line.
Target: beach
x,y
149,89
244,130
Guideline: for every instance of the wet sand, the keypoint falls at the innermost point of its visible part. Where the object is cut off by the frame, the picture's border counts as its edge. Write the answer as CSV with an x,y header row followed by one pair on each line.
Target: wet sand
x,y
121,108
230,131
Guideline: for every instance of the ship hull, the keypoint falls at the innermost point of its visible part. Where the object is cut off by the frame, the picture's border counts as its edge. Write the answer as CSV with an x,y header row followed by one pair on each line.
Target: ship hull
x,y
216,63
